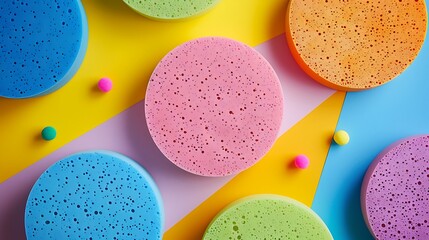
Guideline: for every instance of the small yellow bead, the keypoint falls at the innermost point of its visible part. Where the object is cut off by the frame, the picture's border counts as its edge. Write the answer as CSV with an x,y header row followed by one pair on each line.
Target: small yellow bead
x,y
341,137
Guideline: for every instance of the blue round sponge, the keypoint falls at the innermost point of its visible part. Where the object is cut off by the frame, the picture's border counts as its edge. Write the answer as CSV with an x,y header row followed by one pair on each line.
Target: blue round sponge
x,y
42,44
94,195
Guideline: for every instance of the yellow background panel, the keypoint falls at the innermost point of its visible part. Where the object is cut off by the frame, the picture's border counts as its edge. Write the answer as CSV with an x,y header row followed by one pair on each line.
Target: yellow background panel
x,y
275,173
125,47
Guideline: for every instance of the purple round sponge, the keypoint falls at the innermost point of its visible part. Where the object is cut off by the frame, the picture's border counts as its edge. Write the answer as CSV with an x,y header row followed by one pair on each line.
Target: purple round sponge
x,y
395,191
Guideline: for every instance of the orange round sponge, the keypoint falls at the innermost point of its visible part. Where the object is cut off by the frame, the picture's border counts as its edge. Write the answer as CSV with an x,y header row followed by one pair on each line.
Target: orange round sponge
x,y
355,45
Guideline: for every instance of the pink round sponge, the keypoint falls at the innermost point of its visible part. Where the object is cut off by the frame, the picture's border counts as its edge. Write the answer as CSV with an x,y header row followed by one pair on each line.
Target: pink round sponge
x,y
214,106
302,161
395,191
105,84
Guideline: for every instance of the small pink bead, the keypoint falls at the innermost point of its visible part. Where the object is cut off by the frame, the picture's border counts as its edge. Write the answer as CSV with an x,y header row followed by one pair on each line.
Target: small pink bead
x,y
302,161
105,84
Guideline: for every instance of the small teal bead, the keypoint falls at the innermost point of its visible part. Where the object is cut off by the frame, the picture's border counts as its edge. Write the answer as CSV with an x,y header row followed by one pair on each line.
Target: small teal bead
x,y
49,133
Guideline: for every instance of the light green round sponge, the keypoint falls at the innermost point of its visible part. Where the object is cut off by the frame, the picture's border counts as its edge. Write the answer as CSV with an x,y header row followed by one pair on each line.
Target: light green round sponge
x,y
168,10
267,217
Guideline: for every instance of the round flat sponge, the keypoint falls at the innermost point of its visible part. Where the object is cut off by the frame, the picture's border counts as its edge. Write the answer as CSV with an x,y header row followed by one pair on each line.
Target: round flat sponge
x,y
267,217
42,44
168,10
214,106
395,191
94,195
355,45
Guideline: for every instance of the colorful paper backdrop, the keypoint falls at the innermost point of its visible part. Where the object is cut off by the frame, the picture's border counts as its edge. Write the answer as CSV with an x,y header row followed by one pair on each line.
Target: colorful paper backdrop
x,y
126,47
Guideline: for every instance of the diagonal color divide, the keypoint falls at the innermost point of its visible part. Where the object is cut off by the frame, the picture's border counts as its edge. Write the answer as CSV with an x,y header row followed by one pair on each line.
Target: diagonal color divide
x,y
126,47
127,133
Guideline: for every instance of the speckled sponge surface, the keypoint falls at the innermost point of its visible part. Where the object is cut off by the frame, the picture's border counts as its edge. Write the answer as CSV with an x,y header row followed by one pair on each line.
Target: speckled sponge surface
x,y
42,45
94,195
395,191
214,106
267,217
171,9
355,45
